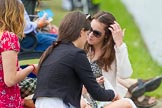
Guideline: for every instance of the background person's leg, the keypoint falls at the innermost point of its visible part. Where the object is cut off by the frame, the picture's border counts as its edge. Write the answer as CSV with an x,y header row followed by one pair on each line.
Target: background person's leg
x,y
29,42
45,40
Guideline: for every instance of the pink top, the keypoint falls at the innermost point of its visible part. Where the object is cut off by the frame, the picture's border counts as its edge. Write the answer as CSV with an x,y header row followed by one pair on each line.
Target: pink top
x,y
9,96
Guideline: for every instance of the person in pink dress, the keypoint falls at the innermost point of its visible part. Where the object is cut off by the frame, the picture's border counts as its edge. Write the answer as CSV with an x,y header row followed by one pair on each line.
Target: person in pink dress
x,y
11,26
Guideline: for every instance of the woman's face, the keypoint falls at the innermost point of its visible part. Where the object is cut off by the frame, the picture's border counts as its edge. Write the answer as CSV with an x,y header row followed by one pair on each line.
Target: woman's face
x,y
83,38
97,33
85,35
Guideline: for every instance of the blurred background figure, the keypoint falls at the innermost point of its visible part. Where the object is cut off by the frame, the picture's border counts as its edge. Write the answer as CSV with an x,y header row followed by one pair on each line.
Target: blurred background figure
x,y
87,6
66,5
30,6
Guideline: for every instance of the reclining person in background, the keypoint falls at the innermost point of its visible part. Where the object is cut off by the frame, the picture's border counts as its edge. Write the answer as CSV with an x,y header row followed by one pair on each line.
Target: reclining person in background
x,y
44,39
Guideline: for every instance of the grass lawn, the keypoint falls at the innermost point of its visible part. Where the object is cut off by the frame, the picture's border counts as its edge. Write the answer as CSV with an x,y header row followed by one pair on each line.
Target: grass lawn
x,y
143,65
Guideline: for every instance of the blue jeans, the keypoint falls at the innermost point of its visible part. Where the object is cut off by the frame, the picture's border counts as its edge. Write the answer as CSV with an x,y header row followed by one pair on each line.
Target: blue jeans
x,y
44,40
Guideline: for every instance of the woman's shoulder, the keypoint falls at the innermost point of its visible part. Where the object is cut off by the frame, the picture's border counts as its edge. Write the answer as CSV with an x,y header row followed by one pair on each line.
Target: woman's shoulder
x,y
9,35
9,41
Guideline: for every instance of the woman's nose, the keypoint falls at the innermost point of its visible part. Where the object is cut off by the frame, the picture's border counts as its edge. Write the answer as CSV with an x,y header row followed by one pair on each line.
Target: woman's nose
x,y
90,34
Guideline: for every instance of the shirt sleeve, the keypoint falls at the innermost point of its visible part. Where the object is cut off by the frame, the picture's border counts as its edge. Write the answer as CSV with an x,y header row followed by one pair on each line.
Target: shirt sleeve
x,y
29,25
124,68
84,72
10,41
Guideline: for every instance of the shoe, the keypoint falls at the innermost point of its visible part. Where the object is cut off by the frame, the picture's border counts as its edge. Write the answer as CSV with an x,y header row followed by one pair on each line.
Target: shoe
x,y
137,89
142,86
144,103
153,84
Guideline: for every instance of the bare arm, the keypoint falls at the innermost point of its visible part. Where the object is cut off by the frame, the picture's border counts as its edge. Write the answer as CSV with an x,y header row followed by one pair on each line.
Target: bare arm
x,y
11,75
123,71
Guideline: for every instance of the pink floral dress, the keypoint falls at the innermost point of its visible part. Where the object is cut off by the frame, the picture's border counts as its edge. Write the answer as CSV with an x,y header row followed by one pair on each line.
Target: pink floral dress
x,y
9,96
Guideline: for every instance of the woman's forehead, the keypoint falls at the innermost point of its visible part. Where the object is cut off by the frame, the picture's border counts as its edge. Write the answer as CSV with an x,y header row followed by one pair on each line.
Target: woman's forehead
x,y
95,24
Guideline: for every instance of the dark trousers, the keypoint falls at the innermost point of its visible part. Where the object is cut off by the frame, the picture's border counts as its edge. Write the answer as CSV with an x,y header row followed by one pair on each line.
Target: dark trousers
x,y
40,42
29,6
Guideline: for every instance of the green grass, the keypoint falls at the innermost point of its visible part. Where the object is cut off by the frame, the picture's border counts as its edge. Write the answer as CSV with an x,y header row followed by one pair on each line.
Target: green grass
x,y
54,5
143,65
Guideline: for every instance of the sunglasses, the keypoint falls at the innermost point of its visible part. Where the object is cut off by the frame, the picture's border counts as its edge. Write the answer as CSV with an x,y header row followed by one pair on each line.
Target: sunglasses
x,y
96,33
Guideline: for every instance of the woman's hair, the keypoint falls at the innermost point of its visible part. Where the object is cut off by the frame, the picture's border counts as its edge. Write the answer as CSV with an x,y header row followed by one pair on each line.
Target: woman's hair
x,y
69,30
108,52
12,16
72,24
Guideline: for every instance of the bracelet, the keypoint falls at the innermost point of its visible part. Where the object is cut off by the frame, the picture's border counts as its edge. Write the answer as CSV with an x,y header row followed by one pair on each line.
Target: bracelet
x,y
33,67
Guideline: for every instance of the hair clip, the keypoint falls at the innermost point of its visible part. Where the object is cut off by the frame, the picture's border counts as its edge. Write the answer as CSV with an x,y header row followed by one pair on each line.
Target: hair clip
x,y
88,16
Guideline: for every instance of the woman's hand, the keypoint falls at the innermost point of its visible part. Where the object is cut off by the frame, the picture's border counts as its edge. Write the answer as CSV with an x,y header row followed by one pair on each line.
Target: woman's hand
x,y
117,33
117,97
35,70
100,80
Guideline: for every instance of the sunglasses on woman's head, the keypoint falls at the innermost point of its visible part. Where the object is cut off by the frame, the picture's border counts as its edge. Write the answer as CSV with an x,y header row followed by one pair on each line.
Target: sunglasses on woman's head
x,y
96,33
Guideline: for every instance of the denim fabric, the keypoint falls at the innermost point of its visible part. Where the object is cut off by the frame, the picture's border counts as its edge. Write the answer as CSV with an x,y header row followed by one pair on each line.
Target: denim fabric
x,y
29,41
44,40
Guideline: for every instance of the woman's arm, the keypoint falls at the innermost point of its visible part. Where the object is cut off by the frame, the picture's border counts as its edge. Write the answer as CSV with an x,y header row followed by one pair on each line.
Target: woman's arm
x,y
123,65
11,74
84,72
124,68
